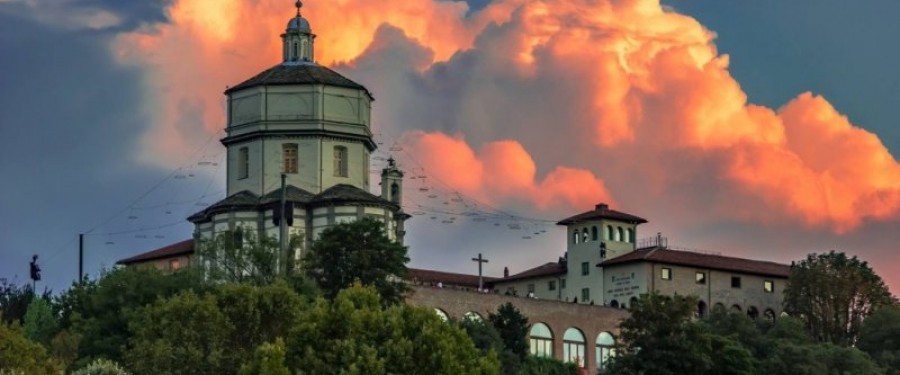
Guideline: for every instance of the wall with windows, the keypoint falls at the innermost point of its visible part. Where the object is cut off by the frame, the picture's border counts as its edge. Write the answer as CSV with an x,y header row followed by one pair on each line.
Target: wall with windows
x,y
624,282
712,287
553,319
584,240
547,287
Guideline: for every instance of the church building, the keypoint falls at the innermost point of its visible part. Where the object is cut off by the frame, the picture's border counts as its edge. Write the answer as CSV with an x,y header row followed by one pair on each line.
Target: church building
x,y
298,146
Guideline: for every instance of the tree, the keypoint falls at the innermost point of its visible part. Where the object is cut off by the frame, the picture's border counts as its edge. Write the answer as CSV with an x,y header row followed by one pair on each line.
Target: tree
x,y
40,325
356,334
833,294
101,367
241,257
358,251
268,360
14,300
547,366
20,355
512,326
880,338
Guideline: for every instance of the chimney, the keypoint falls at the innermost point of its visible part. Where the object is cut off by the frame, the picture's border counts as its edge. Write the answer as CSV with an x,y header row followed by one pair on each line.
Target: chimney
x,y
505,271
602,207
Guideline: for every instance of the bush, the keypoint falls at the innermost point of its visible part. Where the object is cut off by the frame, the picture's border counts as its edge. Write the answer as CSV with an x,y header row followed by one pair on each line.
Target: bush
x,y
101,367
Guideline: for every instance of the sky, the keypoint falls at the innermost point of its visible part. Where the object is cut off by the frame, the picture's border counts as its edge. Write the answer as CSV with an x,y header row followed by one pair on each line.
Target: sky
x,y
759,129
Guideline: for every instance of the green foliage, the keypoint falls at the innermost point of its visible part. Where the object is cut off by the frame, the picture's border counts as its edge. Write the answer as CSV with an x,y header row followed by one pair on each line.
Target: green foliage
x,y
833,294
268,360
18,354
513,328
14,301
64,347
880,338
483,334
253,260
184,334
101,367
547,366
356,334
100,313
358,251
40,326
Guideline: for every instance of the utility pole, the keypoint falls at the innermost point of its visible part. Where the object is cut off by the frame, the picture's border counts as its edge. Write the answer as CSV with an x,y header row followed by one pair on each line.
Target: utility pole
x,y
282,225
480,260
80,257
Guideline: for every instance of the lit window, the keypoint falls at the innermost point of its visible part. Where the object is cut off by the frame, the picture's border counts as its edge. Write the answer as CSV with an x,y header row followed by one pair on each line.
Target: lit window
x,y
575,237
340,161
585,268
605,350
584,235
243,163
573,347
585,294
289,153
701,278
665,273
735,281
769,286
174,264
540,340
551,285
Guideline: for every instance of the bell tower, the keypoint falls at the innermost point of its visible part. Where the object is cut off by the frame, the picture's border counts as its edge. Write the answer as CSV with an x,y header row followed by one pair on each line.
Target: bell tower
x,y
297,40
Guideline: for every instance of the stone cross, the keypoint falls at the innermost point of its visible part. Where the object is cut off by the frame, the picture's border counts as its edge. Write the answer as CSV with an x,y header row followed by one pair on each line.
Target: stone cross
x,y
480,260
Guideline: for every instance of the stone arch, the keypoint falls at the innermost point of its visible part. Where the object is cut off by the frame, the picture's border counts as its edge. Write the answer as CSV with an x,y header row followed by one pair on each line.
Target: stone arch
x,y
614,304
702,309
573,347
609,232
736,308
604,350
719,307
442,314
752,312
540,340
473,316
620,234
769,315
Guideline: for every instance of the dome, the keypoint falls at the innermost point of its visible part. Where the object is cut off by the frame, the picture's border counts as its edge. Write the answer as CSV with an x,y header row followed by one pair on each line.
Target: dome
x,y
298,23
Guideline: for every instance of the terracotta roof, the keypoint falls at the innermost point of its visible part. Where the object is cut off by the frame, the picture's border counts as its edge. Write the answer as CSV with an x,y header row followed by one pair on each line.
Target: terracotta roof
x,y
700,260
298,74
602,211
546,269
185,247
446,278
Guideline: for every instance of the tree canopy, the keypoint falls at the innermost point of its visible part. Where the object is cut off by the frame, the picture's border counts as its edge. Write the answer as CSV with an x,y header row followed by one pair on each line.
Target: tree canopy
x,y
358,251
833,293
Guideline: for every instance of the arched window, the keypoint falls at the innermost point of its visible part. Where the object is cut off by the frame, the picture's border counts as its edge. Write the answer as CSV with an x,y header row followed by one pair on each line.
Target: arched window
x,y
614,304
395,193
629,237
573,347
441,314
632,301
594,233
736,307
719,307
752,312
619,234
769,314
289,156
473,316
575,237
340,161
294,51
701,309
540,340
609,232
605,350
584,235
304,50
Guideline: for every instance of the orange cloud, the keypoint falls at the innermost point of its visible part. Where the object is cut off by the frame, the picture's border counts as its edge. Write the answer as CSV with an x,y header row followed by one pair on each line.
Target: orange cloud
x,y
504,172
614,89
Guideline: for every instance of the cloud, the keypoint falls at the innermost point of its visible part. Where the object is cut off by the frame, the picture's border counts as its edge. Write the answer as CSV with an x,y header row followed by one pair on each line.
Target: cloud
x,y
88,15
551,102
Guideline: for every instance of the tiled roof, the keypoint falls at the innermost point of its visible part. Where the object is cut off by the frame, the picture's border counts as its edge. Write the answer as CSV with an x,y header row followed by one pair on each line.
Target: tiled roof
x,y
292,194
343,193
602,211
185,247
546,269
700,260
446,278
250,201
298,74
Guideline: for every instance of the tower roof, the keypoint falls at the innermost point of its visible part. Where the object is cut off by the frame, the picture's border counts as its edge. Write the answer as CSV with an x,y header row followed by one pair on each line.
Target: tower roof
x,y
298,74
602,211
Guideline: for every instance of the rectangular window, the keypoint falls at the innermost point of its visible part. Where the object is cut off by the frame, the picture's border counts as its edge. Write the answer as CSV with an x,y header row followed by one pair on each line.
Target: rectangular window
x,y
585,295
585,268
735,281
289,154
340,161
530,288
551,285
665,273
701,277
243,164
562,283
769,286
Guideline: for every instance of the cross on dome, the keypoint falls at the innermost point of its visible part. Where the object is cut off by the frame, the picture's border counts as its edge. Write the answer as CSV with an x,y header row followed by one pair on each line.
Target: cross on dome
x,y
298,4
298,39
